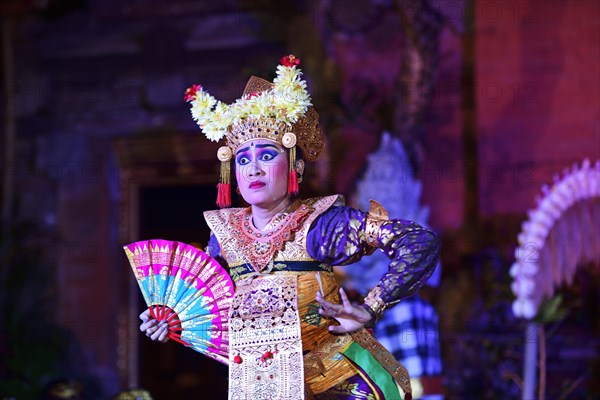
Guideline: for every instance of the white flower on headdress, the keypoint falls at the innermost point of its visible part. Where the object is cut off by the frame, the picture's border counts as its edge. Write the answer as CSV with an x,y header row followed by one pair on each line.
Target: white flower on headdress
x,y
291,98
203,113
286,102
219,124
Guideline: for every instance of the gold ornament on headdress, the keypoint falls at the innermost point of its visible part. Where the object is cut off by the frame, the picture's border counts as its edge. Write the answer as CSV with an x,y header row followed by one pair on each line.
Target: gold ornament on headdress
x,y
280,111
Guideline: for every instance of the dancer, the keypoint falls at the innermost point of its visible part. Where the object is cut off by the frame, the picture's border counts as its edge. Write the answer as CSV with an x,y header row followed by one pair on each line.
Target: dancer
x,y
293,333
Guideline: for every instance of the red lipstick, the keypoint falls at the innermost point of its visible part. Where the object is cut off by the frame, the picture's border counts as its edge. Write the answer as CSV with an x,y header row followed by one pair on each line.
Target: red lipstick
x,y
256,185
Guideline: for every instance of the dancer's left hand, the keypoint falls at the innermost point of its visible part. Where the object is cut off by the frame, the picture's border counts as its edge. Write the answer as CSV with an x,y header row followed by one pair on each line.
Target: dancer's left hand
x,y
351,318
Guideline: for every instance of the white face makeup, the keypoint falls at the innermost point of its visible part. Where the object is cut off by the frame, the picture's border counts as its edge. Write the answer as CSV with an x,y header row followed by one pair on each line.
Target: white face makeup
x,y
261,171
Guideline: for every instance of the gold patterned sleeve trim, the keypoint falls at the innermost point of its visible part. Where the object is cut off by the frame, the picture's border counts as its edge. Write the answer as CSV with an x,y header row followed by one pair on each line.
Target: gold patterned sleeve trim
x,y
376,217
375,302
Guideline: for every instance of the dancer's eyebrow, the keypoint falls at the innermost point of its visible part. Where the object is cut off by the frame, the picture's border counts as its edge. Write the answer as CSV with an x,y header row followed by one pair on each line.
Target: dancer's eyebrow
x,y
260,146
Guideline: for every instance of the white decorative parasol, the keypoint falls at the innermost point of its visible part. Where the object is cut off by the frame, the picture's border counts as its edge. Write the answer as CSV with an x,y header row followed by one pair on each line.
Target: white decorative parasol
x,y
561,233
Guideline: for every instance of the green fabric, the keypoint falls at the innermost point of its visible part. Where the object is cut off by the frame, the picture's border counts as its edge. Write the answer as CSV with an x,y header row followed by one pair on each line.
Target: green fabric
x,y
375,371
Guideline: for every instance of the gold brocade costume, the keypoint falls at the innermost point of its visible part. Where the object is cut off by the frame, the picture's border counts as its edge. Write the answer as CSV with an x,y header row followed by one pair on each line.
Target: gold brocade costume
x,y
262,316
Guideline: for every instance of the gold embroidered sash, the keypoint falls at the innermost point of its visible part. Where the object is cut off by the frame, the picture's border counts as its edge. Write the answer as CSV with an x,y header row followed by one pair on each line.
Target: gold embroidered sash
x,y
265,345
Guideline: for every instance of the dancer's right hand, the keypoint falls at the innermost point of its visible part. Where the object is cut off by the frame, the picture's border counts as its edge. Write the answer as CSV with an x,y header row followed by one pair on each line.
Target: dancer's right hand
x,y
157,331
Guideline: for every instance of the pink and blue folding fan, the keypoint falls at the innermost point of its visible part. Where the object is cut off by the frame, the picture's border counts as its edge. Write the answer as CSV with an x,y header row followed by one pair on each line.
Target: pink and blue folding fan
x,y
187,288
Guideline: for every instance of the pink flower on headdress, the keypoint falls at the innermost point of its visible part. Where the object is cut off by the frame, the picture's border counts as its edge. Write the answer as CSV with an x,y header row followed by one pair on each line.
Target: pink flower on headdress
x,y
251,95
190,93
289,61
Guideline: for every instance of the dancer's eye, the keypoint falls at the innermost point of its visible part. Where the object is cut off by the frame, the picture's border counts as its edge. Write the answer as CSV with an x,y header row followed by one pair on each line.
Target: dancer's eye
x,y
242,160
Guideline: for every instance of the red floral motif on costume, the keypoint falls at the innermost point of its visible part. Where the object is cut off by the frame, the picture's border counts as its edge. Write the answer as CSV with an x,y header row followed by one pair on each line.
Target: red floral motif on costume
x,y
260,247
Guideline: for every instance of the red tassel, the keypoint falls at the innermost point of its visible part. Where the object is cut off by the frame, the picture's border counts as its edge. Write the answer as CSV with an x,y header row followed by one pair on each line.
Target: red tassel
x,y
224,195
292,183
219,195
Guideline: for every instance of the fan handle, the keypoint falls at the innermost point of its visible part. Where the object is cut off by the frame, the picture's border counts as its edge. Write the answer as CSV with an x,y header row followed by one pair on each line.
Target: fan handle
x,y
166,313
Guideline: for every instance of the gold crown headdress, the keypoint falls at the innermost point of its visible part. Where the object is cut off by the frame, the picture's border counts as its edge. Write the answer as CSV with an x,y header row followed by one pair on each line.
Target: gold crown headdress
x,y
280,111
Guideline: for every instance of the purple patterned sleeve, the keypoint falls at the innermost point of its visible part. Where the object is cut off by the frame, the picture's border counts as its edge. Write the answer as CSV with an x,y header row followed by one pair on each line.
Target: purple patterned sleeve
x,y
338,237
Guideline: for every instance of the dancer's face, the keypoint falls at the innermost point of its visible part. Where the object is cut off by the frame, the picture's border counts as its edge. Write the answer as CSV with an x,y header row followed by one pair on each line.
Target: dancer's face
x,y
261,172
